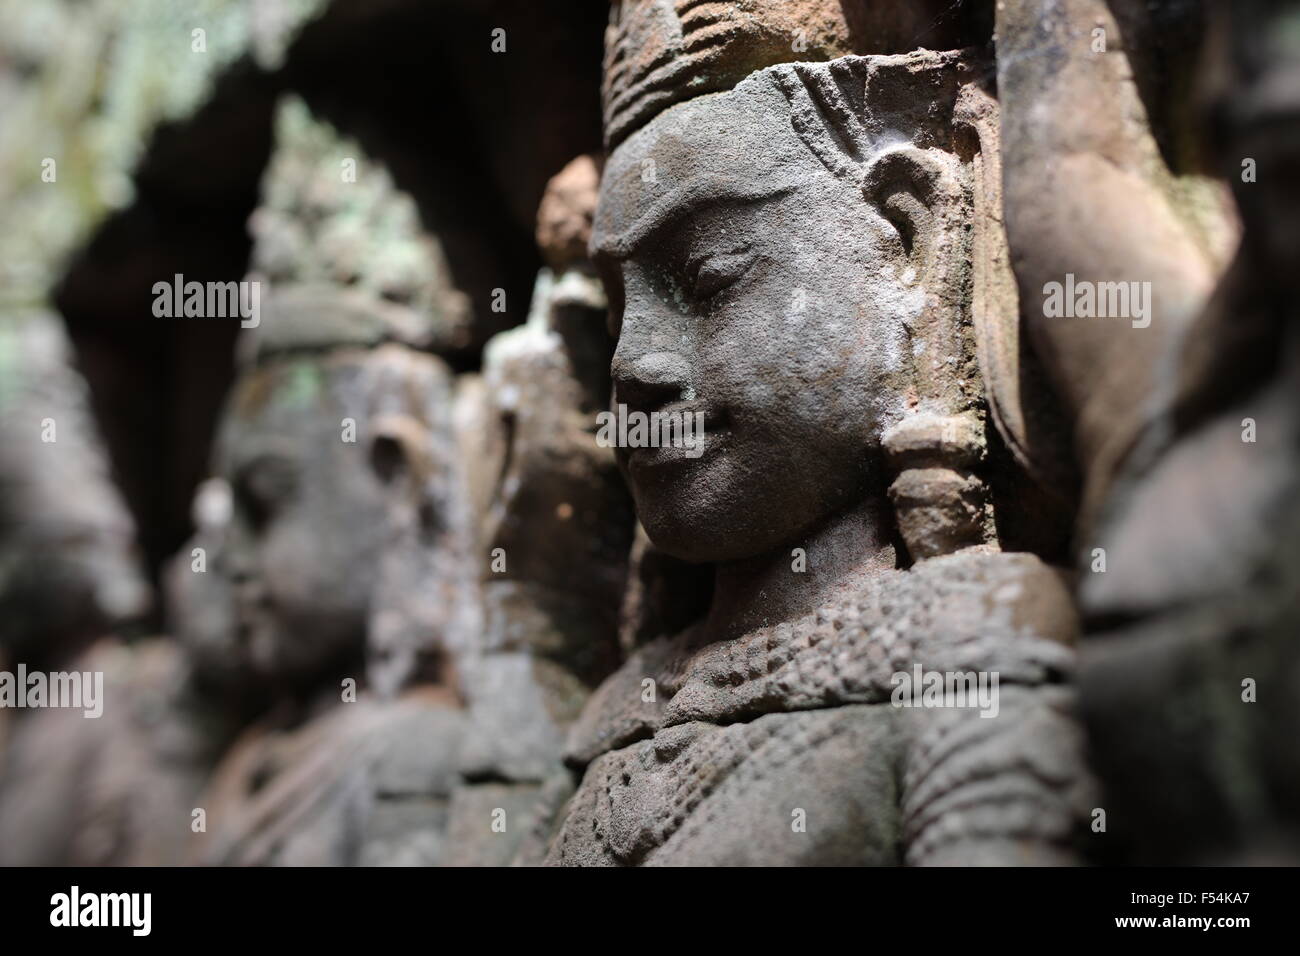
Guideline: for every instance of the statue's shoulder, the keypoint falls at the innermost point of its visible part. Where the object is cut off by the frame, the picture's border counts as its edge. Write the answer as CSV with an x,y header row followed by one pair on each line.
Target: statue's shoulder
x,y
974,610
629,704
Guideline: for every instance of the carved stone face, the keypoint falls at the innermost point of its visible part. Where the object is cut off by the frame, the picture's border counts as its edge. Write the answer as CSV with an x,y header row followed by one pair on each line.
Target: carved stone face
x,y
308,521
749,282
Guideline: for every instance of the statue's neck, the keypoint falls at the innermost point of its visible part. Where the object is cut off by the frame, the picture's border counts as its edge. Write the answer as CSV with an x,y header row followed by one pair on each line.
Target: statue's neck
x,y
846,549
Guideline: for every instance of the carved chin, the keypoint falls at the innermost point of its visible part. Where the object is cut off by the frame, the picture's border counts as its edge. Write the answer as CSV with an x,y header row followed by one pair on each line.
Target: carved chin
x,y
679,539
700,528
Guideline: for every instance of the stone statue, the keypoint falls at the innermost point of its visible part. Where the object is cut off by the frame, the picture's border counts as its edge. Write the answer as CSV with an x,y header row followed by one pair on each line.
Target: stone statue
x,y
953,359
69,568
1189,673
70,584
660,52
806,259
346,533
316,519
1104,192
119,790
556,530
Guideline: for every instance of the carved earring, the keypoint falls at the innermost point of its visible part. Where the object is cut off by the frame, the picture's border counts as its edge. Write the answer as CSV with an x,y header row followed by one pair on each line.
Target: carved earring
x,y
940,502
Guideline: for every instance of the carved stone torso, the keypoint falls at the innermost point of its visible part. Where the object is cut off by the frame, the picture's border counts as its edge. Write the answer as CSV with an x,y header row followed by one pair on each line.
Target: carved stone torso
x,y
743,735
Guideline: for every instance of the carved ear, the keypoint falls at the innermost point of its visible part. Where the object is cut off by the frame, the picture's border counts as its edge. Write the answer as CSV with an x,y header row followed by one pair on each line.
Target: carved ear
x,y
939,498
402,459
399,450
919,192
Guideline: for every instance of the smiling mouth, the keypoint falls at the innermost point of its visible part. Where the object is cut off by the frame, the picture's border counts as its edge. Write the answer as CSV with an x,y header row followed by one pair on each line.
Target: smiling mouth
x,y
686,446
251,618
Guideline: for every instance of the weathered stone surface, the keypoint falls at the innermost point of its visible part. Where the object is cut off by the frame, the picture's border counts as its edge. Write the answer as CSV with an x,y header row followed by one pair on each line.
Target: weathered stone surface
x,y
363,784
972,792
1190,673
69,570
117,790
799,233
995,613
798,716
564,217
736,287
1090,194
555,535
660,52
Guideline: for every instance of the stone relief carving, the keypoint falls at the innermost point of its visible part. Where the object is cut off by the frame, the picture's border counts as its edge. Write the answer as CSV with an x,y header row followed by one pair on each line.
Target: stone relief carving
x,y
985,537
798,270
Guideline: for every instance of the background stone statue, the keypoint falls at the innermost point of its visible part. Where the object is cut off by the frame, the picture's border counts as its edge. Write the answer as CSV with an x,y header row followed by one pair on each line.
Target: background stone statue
x,y
70,584
69,569
1190,672
1103,184
338,446
556,531
334,486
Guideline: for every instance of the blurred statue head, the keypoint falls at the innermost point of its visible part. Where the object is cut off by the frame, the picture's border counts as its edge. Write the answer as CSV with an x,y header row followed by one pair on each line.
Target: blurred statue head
x,y
334,459
335,442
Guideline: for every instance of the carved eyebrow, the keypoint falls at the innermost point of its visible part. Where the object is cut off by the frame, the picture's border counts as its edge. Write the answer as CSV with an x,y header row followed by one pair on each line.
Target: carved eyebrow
x,y
697,194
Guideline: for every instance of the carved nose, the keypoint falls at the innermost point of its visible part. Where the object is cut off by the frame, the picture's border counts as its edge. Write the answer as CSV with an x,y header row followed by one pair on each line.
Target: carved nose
x,y
651,381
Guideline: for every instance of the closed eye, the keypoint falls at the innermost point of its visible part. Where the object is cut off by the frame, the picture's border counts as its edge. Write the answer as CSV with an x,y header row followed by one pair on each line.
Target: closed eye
x,y
264,486
714,273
